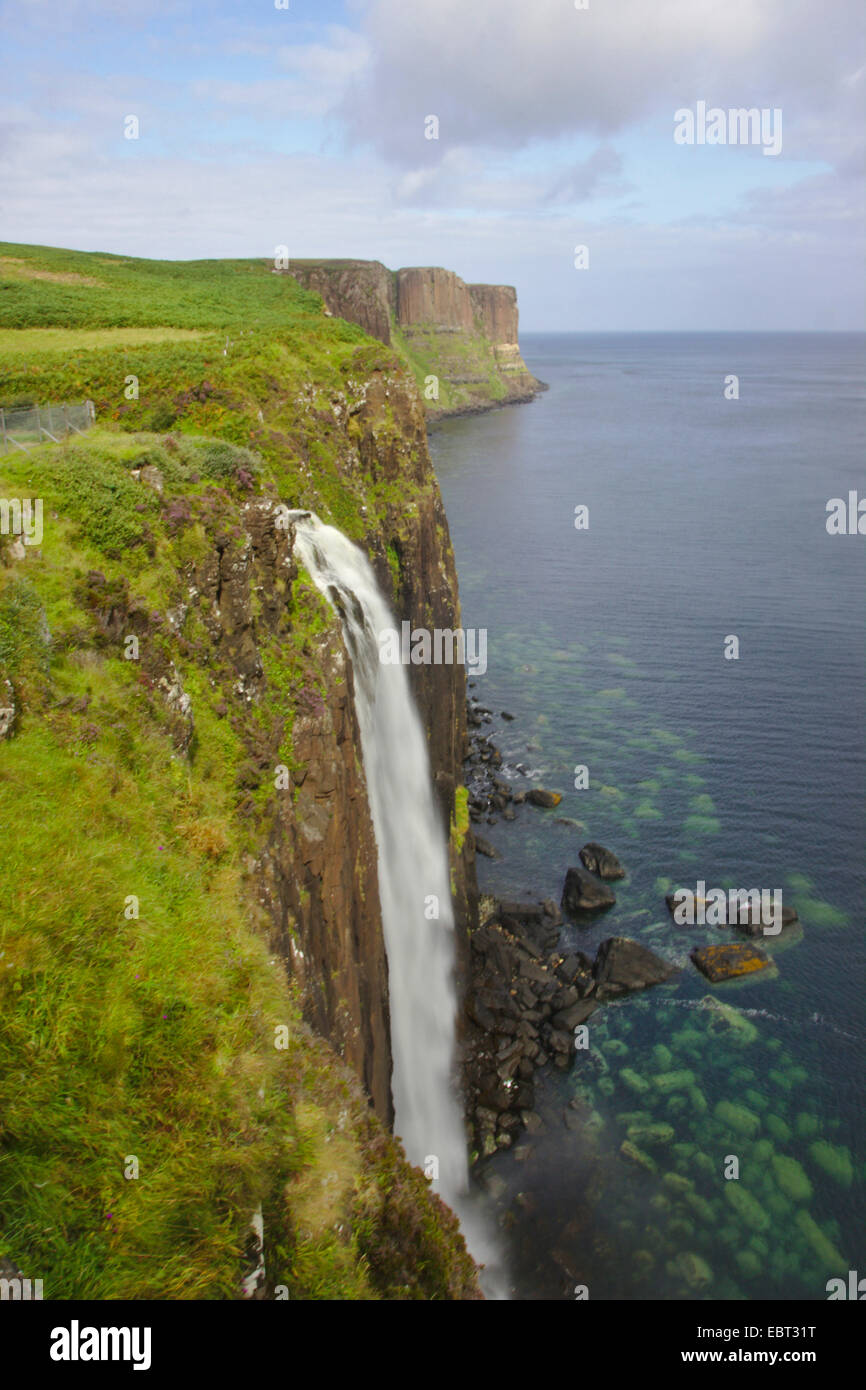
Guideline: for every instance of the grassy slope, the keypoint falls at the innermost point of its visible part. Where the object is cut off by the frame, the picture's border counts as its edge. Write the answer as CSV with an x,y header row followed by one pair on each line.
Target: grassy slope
x,y
153,1036
451,358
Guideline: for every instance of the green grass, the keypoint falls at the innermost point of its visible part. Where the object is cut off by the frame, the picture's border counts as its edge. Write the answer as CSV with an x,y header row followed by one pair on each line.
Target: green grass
x,y
464,365
35,341
239,294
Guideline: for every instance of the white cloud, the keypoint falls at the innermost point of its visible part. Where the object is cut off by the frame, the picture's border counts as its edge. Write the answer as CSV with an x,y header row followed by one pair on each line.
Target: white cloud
x,y
504,73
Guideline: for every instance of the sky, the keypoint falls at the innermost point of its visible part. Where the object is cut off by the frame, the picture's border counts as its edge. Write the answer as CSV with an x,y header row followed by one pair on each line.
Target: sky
x,y
307,126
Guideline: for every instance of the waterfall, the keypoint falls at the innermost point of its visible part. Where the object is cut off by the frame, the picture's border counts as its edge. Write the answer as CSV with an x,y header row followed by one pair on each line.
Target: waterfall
x,y
413,864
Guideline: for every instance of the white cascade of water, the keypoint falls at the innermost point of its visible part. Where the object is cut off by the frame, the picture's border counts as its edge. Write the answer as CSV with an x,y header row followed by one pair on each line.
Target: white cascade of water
x,y
413,863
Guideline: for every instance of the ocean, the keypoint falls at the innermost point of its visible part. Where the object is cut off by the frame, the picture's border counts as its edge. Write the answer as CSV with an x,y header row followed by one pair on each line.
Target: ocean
x,y
611,644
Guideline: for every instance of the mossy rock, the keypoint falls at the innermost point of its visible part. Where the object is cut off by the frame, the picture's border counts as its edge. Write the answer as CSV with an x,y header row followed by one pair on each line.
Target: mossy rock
x,y
691,1269
778,1128
606,1085
674,1183
654,1135
685,1149
791,1178
660,1202
702,1208
783,1264
755,1100
662,1057
643,1263
615,1048
633,1154
688,1041
749,1210
762,1151
697,1100
634,1117
781,1079
737,1118
668,1081
630,1078
760,1247
749,1264
703,1162
778,1206
807,1126
828,1256
741,1076
677,1104
729,1235
730,1023
834,1159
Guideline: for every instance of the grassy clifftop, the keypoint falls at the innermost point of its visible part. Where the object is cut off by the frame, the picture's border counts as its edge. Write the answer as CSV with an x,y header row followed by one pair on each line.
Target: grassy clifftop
x,y
157,1082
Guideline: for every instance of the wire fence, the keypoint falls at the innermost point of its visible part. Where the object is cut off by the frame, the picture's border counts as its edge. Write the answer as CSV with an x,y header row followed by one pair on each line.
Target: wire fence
x,y
23,426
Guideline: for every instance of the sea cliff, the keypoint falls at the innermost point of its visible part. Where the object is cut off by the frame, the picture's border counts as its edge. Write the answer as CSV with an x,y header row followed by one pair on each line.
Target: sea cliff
x,y
460,341
196,976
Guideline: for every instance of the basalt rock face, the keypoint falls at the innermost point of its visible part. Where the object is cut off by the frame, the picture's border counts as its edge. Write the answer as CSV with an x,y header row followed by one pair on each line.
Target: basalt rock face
x,y
495,307
438,298
460,340
361,291
313,880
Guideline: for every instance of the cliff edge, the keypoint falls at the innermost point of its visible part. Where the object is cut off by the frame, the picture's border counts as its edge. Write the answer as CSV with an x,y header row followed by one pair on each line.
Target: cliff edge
x,y
460,341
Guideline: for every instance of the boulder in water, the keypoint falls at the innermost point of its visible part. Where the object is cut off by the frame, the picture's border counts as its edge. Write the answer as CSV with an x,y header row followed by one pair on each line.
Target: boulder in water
x,y
583,893
622,966
569,1019
601,861
538,796
484,847
719,963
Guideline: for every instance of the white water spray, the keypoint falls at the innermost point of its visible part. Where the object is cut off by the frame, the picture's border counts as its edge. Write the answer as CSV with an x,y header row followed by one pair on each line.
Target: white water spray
x,y
413,864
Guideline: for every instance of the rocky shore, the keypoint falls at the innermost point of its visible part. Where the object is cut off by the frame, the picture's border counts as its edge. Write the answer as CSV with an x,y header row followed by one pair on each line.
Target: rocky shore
x,y
528,996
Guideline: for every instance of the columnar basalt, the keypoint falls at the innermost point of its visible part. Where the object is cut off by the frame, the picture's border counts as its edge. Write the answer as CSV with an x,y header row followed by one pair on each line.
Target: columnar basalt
x,y
460,340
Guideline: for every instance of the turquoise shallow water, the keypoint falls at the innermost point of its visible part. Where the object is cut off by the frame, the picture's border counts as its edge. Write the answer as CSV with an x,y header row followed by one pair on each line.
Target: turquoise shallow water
x,y
707,518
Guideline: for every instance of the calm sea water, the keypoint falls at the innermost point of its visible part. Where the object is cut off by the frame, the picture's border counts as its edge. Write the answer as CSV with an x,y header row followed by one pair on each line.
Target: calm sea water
x,y
706,520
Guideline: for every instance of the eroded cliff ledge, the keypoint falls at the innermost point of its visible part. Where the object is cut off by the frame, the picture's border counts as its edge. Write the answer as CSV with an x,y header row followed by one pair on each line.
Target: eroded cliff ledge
x,y
461,341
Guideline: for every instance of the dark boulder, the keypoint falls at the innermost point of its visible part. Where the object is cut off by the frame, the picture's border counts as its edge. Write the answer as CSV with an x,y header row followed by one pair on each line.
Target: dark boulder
x,y
576,970
523,912
732,911
484,847
601,861
569,1018
752,923
539,797
583,893
622,966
